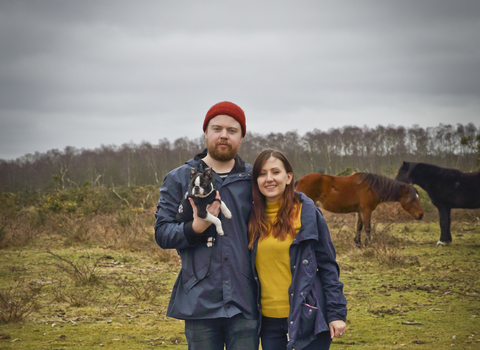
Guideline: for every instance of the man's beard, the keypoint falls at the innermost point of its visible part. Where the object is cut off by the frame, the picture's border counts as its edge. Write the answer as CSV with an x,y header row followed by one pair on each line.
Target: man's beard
x,y
222,155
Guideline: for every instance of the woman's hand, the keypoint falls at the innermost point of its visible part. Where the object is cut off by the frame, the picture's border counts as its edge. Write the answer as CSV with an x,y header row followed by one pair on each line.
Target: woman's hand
x,y
199,225
337,328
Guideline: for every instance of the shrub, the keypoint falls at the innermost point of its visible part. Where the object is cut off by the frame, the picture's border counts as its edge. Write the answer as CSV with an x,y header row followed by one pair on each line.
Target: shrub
x,y
142,290
427,205
75,230
74,296
17,302
82,272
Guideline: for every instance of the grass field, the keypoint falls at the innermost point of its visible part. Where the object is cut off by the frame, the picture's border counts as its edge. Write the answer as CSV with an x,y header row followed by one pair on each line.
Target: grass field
x,y
101,281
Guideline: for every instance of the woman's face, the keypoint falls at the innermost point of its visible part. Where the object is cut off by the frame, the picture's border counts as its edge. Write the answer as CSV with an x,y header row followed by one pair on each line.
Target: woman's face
x,y
273,179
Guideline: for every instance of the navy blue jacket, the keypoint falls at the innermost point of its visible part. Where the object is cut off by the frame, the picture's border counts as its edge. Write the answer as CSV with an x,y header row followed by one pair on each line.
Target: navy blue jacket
x,y
217,281
316,294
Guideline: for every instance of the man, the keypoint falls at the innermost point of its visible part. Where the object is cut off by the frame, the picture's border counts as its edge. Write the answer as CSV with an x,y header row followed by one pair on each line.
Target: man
x,y
215,290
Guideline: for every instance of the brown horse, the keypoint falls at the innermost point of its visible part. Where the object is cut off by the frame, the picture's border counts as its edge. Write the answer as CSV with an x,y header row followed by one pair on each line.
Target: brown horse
x,y
360,193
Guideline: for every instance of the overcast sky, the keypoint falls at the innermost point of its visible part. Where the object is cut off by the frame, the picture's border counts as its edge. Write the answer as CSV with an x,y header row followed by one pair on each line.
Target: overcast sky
x,y
87,73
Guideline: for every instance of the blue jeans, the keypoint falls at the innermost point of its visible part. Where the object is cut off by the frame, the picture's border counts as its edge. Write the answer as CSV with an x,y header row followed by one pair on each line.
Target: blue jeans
x,y
237,333
274,336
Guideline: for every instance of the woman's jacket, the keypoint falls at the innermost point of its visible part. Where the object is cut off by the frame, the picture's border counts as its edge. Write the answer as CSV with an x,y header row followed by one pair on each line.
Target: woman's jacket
x,y
316,294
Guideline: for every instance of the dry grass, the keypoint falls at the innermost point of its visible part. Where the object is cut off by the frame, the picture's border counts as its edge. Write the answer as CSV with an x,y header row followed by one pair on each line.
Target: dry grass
x,y
391,232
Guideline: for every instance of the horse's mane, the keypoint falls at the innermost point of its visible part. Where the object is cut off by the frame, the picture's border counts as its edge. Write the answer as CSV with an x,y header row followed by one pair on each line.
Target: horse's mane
x,y
386,188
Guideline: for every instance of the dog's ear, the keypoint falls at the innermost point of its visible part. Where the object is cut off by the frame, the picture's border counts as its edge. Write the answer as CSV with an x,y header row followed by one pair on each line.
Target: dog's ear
x,y
208,172
193,172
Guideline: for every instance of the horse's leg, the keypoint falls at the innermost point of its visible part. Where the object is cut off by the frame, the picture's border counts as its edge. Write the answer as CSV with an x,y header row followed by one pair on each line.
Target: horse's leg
x,y
367,216
445,221
358,233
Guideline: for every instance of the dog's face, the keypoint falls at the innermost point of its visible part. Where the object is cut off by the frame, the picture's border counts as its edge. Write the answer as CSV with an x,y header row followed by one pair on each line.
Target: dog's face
x,y
201,184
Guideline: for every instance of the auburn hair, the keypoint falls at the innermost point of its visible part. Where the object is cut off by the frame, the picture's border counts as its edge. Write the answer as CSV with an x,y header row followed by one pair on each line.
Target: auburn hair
x,y
259,223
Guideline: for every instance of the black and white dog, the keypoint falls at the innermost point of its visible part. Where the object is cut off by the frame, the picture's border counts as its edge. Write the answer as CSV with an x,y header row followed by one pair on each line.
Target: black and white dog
x,y
202,191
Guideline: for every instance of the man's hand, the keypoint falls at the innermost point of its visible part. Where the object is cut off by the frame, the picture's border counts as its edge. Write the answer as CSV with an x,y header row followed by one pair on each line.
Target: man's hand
x,y
199,225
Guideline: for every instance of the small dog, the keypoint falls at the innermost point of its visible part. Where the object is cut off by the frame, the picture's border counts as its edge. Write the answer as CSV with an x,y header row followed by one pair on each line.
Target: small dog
x,y
202,191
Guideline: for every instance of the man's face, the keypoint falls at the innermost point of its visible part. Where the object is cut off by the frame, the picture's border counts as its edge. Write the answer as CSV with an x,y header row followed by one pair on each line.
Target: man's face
x,y
223,136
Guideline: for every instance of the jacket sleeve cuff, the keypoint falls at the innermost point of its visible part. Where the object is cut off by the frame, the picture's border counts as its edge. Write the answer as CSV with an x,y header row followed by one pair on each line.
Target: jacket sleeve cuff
x,y
192,237
336,316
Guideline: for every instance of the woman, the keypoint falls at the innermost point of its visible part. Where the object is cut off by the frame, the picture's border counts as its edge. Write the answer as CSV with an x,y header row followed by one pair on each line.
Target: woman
x,y
302,301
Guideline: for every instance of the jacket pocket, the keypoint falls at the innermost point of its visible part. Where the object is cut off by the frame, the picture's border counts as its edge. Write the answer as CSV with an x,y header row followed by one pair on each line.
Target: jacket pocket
x,y
190,280
308,315
195,266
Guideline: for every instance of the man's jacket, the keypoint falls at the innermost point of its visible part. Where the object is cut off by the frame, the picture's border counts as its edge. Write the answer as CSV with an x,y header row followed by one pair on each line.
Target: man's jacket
x,y
217,281
315,294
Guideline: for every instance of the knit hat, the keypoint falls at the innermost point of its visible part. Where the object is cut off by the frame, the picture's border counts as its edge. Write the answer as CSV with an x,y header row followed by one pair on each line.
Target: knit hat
x,y
230,109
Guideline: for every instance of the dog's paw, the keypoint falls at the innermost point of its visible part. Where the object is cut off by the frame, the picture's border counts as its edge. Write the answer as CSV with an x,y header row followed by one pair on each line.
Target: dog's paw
x,y
220,230
227,213
210,241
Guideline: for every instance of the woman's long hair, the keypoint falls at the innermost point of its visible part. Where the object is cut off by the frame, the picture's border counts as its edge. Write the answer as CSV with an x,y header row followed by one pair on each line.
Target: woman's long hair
x,y
259,223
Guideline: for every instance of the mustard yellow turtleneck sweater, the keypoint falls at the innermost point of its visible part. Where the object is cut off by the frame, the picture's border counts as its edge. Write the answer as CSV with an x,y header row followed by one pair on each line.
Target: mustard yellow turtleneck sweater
x,y
273,266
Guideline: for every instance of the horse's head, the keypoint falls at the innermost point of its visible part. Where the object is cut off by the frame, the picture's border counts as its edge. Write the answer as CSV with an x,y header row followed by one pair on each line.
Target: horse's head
x,y
403,173
410,201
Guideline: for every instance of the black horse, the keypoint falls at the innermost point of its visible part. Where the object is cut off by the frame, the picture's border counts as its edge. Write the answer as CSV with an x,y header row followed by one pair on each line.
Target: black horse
x,y
447,188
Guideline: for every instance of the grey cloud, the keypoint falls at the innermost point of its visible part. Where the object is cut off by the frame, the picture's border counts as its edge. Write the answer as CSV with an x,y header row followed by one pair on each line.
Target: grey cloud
x,y
122,71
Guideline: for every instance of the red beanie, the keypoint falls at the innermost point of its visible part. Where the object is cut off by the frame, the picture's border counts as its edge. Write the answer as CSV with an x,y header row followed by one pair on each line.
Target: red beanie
x,y
230,109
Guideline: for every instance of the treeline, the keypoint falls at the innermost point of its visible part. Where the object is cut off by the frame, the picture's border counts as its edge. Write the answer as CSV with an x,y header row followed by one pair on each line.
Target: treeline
x,y
378,150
